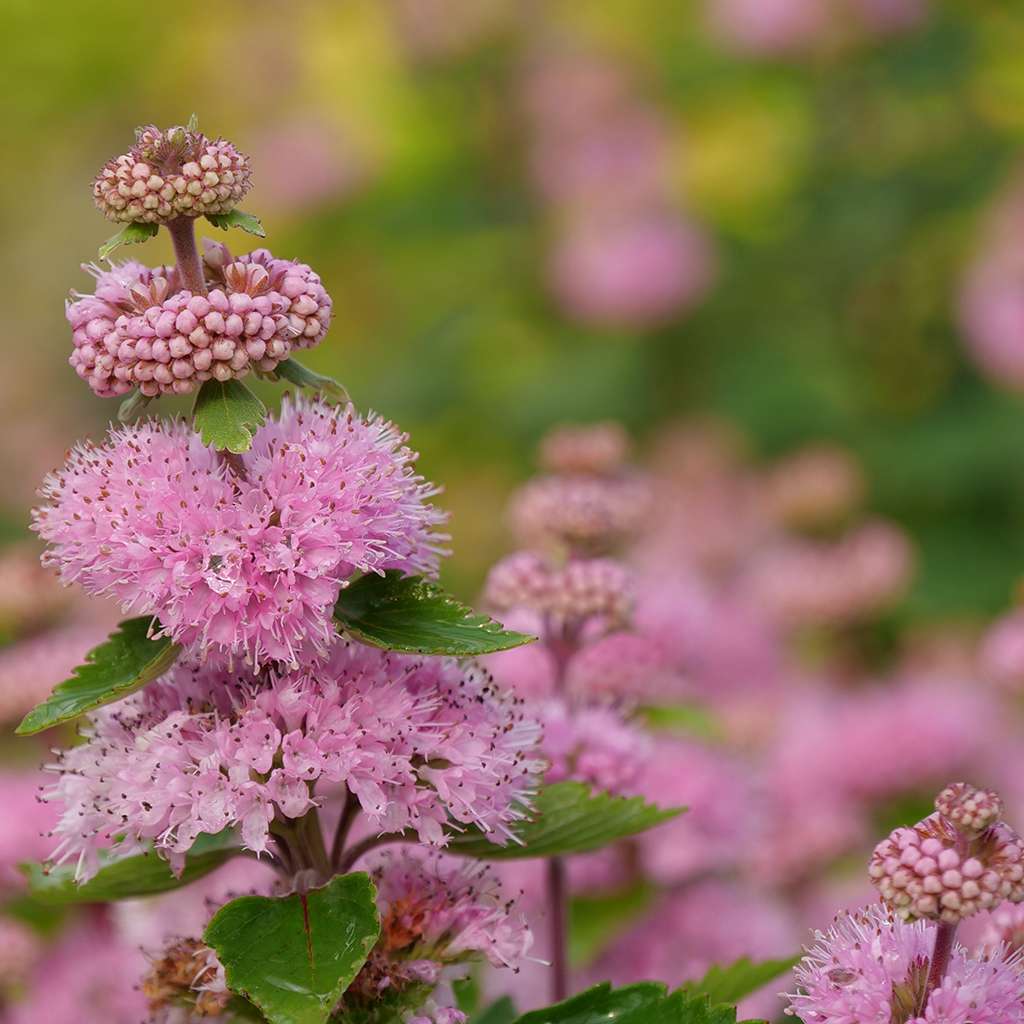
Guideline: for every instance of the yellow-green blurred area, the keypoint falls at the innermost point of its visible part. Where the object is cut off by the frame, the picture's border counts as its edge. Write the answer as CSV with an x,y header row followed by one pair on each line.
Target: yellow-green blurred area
x,y
843,190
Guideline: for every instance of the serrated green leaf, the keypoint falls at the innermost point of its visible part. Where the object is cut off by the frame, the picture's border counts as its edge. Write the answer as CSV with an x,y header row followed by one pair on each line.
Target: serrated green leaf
x,y
411,614
567,818
237,219
132,407
502,1011
122,664
130,234
738,980
644,1003
126,878
292,370
227,414
293,956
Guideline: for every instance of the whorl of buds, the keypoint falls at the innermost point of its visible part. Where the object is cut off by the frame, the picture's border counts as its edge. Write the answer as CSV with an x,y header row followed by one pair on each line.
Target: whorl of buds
x,y
971,810
142,329
586,513
600,449
579,590
177,172
951,865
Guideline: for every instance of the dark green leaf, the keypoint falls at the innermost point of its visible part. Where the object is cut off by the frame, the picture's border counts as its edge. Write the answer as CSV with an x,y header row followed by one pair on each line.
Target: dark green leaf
x,y
125,878
132,407
643,1003
736,981
502,1011
123,663
227,414
130,234
293,956
292,370
595,921
408,613
567,818
237,219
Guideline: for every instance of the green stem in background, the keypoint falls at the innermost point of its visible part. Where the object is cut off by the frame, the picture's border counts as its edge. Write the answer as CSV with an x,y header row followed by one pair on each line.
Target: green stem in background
x,y
312,838
186,254
558,903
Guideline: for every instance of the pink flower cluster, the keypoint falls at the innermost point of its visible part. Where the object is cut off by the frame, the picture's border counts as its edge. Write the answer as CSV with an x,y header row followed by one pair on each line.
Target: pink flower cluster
x,y
871,968
177,172
249,564
141,328
422,745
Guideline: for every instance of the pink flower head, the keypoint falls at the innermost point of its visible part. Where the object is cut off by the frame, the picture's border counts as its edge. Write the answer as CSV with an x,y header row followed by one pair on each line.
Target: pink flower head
x,y
247,564
421,745
598,448
871,968
447,910
1004,928
582,512
946,868
177,172
142,329
633,272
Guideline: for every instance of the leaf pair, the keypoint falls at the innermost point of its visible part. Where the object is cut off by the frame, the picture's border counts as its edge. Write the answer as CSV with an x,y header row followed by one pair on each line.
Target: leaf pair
x,y
134,233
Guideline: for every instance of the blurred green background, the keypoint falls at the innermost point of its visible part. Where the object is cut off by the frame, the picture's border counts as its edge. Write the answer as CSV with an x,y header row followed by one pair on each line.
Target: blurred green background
x,y
844,189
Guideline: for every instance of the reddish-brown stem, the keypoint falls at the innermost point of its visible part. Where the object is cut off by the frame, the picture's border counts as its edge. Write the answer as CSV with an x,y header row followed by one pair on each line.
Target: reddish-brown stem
x,y
558,902
941,951
190,266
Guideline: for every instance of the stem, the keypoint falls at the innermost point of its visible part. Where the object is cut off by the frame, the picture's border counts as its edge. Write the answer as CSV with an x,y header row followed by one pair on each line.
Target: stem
x,y
312,838
558,901
941,951
356,850
190,266
348,816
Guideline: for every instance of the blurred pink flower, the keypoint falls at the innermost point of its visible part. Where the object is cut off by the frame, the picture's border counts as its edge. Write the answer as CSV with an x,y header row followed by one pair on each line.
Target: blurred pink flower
x,y
636,272
89,977
1001,653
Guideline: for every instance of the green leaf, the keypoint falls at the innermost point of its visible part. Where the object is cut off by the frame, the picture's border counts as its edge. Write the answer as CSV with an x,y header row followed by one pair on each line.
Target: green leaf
x,y
410,614
292,370
132,407
237,219
736,981
126,878
567,818
644,1003
502,1011
227,414
467,993
122,664
596,921
130,234
293,956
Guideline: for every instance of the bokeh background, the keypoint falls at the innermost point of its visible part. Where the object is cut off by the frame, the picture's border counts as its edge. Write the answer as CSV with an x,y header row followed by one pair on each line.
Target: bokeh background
x,y
789,221
836,165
